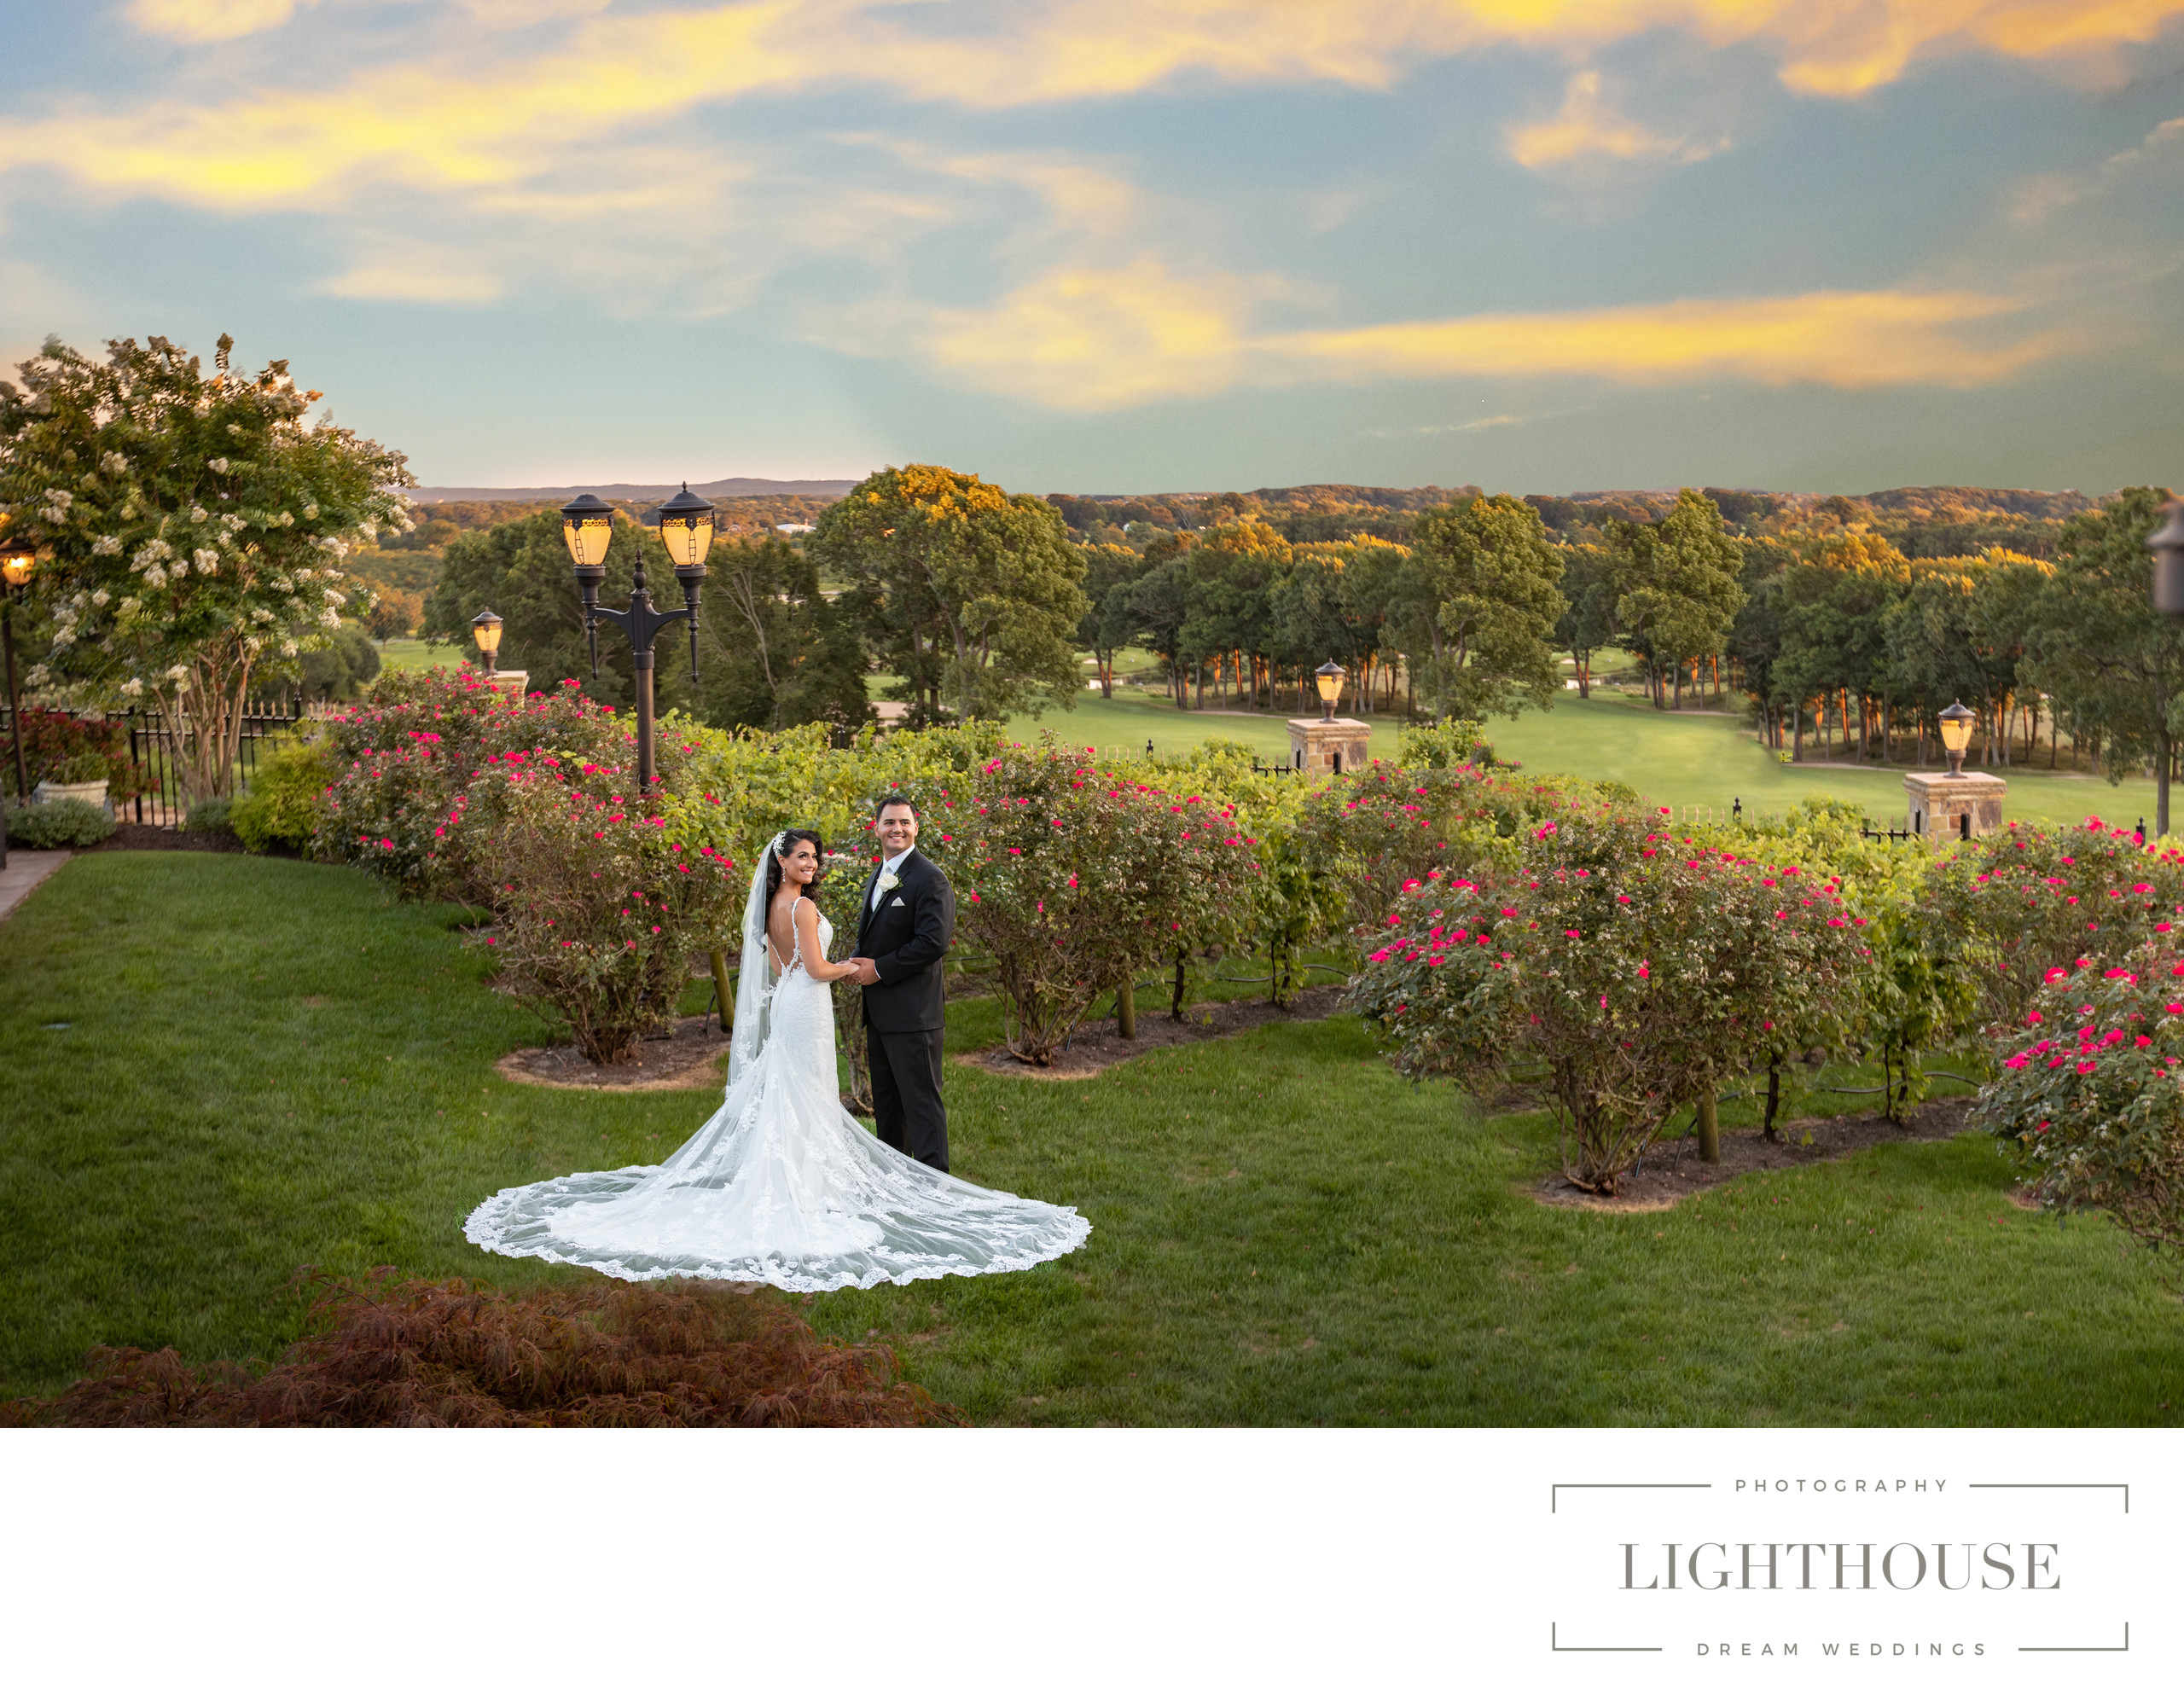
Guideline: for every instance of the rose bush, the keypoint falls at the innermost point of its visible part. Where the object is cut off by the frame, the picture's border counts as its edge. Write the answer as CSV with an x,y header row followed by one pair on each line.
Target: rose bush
x,y
1920,989
1371,832
1637,972
602,908
420,774
2090,1095
2018,901
1075,877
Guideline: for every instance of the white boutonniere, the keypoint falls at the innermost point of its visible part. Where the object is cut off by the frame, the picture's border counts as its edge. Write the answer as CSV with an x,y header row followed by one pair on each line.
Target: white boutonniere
x,y
888,880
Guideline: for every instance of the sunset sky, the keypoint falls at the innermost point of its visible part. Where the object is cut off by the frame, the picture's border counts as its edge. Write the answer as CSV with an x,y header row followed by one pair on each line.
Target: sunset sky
x,y
1114,246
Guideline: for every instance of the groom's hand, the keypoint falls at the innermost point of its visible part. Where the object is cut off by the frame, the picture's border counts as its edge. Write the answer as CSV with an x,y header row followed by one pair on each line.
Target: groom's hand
x,y
863,971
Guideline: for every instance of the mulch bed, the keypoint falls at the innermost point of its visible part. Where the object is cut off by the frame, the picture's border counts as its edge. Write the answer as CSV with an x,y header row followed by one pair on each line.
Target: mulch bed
x,y
1674,1169
1096,1045
688,1059
155,838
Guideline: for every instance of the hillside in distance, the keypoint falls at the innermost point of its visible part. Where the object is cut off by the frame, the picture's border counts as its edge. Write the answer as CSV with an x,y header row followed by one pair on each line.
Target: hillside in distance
x,y
725,487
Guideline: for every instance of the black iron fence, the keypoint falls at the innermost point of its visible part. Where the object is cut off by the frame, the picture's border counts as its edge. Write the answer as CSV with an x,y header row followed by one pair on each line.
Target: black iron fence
x,y
153,752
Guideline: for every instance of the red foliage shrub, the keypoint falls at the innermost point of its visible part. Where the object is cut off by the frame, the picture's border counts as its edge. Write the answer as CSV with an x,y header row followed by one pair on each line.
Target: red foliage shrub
x,y
53,734
415,1353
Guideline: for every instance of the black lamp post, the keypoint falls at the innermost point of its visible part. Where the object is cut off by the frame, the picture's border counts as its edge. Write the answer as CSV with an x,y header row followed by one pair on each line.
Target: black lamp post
x,y
17,560
1330,676
686,529
2166,544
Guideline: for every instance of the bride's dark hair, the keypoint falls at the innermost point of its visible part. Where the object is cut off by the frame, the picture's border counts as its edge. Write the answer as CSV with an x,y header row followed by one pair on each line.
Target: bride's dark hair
x,y
783,845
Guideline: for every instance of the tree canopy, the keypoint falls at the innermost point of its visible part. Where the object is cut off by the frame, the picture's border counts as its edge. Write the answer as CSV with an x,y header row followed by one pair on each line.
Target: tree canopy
x,y
969,593
192,527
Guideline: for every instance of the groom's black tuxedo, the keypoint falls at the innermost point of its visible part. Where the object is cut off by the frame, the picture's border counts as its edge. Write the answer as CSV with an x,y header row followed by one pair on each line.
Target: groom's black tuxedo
x,y
906,938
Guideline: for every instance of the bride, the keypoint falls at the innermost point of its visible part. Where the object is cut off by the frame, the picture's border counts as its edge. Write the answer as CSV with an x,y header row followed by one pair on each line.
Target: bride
x,y
780,1185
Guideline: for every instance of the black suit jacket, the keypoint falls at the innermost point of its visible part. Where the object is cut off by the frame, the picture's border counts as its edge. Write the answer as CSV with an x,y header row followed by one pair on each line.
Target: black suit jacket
x,y
906,940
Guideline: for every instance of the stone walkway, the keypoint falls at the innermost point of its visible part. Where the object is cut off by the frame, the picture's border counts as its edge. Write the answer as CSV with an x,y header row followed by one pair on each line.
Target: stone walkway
x,y
26,871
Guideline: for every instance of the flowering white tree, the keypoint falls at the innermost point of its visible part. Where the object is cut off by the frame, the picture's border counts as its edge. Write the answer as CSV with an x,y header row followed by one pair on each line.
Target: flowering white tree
x,y
190,527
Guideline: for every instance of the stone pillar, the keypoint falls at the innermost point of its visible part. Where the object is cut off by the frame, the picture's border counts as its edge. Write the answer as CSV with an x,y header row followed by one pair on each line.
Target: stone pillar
x,y
1320,745
510,682
1938,804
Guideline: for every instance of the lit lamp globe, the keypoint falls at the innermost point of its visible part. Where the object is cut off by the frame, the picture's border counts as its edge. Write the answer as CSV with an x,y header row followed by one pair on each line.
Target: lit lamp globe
x,y
2166,544
1957,720
17,560
1329,676
587,527
685,526
485,629
686,531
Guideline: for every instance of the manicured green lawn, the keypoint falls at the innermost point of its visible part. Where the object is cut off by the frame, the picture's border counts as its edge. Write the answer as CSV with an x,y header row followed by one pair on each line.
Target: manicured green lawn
x,y
1124,725
1707,759
412,653
266,1063
1681,759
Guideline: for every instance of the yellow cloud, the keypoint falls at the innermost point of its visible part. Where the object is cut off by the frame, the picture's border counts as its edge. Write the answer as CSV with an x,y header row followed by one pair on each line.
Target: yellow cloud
x,y
1091,340
1585,127
211,20
486,117
443,127
1844,340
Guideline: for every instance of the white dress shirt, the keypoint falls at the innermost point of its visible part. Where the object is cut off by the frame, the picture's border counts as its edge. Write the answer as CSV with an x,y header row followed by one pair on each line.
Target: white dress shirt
x,y
887,868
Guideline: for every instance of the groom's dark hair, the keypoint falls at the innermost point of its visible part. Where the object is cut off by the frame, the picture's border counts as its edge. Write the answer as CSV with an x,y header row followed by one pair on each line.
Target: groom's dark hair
x,y
896,800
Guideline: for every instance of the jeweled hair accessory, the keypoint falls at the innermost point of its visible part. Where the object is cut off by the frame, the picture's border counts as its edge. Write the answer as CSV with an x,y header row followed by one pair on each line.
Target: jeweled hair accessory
x,y
780,841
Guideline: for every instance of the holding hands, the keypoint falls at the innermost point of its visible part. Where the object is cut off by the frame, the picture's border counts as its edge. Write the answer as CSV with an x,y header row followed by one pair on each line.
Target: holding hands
x,y
862,970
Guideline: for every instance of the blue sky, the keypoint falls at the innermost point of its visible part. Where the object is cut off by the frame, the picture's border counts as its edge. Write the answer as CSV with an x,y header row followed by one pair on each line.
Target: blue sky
x,y
1110,245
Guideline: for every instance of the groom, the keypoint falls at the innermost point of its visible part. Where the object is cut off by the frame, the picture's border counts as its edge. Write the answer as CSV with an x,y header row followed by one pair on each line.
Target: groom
x,y
905,922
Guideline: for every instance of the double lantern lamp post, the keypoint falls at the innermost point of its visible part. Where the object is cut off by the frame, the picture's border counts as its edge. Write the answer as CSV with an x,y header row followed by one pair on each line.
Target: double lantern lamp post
x,y
686,529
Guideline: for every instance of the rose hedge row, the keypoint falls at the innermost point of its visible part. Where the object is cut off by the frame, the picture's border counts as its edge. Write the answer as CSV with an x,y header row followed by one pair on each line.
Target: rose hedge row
x,y
2091,1091
1074,877
1635,972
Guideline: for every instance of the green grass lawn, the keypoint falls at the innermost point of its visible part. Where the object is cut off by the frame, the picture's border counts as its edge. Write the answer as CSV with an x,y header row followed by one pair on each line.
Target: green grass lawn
x,y
413,653
1135,716
262,1064
1706,759
1681,759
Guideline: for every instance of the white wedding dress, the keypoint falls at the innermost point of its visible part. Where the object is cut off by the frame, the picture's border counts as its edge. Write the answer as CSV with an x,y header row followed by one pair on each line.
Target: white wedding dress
x,y
781,1185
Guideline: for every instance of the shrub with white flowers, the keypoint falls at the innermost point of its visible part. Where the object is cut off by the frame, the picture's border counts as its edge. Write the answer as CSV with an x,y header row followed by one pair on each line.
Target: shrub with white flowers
x,y
172,578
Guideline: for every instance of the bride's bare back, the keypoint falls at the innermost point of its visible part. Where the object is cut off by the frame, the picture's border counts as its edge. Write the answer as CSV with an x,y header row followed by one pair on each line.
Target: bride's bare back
x,y
792,921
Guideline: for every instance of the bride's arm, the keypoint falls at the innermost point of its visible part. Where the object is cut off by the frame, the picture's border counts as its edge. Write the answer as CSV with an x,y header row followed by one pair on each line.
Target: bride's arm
x,y
816,963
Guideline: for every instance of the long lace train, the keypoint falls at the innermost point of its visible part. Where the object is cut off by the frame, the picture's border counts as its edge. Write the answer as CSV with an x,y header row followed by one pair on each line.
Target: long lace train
x,y
780,1185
